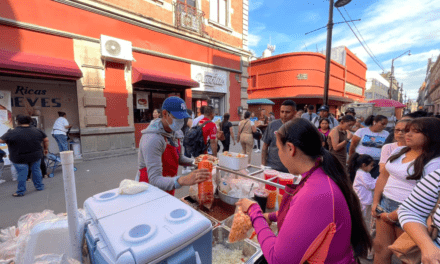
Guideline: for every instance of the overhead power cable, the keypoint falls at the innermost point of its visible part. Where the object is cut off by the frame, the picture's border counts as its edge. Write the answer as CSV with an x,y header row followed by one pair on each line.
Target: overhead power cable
x,y
362,36
360,40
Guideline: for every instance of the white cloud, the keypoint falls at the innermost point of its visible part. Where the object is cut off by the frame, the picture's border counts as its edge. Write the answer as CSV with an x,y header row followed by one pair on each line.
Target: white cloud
x,y
254,40
255,4
416,58
411,80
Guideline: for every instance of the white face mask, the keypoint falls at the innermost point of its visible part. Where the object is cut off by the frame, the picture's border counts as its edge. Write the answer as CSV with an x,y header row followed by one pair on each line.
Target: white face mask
x,y
177,124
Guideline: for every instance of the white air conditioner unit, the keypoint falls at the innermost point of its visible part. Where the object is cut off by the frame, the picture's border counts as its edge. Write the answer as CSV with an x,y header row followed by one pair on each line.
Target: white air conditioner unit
x,y
115,49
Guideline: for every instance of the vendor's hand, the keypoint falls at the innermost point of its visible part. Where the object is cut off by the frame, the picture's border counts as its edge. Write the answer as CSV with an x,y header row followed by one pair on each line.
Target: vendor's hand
x,y
266,216
195,177
373,211
431,255
245,204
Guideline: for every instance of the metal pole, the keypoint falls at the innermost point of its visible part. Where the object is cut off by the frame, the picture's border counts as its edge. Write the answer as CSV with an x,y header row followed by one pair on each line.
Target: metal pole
x,y
328,53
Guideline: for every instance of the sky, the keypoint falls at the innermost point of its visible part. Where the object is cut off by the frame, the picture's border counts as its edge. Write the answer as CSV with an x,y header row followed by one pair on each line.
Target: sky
x,y
389,28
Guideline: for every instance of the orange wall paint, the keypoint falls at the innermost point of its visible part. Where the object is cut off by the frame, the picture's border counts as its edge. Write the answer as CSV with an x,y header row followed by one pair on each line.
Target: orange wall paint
x,y
116,93
276,77
21,40
160,64
48,13
234,97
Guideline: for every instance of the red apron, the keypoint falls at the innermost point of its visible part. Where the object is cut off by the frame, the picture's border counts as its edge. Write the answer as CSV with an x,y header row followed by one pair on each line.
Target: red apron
x,y
170,163
289,192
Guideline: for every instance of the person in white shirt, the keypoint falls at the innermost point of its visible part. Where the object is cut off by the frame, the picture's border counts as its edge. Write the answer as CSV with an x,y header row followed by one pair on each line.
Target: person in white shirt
x,y
363,184
310,115
406,166
196,120
59,131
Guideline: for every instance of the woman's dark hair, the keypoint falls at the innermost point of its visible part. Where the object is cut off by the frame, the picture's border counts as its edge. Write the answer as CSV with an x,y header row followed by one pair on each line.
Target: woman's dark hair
x,y
225,120
348,118
324,119
371,119
304,135
23,119
60,114
247,114
429,127
356,162
185,127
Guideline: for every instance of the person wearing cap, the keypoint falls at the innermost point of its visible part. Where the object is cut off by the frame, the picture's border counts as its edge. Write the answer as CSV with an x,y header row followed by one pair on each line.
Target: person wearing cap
x,y
160,151
60,130
324,113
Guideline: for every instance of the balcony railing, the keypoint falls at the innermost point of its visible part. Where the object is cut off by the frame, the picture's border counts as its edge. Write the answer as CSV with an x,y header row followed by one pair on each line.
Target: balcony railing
x,y
189,17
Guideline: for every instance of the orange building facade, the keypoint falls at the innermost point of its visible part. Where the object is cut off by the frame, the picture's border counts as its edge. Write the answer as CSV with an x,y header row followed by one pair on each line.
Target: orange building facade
x,y
300,77
195,49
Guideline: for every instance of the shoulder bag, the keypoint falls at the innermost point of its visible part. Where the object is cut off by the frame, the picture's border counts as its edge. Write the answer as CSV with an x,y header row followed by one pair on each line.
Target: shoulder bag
x,y
406,249
220,133
241,130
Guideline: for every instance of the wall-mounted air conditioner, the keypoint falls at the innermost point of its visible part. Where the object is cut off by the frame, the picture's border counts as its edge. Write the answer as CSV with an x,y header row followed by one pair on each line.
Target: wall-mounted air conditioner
x,y
115,49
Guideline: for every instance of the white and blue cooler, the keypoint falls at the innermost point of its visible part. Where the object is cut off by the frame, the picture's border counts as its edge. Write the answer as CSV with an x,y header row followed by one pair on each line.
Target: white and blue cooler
x,y
148,227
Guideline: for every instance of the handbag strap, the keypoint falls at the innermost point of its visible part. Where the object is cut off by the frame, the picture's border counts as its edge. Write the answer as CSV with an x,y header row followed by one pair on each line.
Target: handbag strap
x,y
243,126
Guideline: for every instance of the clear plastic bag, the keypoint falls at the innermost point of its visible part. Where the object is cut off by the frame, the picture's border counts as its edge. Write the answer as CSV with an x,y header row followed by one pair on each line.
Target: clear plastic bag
x,y
206,188
132,187
241,226
8,234
54,259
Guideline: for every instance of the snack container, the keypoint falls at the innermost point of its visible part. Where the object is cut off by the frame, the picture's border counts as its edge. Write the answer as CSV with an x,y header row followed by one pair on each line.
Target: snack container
x,y
234,162
269,174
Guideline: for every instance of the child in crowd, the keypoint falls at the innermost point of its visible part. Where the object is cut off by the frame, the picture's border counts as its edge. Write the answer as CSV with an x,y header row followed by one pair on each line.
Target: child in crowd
x,y
363,184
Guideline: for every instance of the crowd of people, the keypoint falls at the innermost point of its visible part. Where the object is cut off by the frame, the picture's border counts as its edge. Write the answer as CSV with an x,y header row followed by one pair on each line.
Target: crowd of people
x,y
359,181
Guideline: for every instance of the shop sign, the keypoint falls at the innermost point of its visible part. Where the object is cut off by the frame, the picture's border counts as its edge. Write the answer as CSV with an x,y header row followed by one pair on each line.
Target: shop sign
x,y
302,76
350,88
210,80
142,100
23,95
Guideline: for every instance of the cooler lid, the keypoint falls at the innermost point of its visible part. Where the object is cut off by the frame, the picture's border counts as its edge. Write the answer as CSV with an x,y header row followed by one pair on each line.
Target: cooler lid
x,y
152,230
111,202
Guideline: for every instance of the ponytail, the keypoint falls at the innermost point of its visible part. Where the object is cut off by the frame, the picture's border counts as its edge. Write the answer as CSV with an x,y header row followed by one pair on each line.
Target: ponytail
x,y
371,119
356,162
360,238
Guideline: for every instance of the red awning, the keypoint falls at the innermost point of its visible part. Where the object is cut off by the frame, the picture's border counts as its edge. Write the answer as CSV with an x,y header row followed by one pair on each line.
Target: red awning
x,y
145,76
29,64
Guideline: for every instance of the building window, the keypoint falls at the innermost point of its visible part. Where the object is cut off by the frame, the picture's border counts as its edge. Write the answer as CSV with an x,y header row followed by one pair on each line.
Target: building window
x,y
218,11
189,2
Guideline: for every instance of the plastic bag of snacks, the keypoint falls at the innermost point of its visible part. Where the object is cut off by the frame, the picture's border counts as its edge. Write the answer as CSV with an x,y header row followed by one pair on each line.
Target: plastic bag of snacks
x,y
206,188
241,226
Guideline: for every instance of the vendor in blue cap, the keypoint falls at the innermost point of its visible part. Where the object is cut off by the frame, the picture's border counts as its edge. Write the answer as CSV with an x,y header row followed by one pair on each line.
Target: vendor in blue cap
x,y
160,152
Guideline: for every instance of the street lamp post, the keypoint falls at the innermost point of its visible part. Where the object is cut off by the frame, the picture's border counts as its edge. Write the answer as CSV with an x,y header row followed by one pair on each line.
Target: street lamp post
x,y
390,91
328,53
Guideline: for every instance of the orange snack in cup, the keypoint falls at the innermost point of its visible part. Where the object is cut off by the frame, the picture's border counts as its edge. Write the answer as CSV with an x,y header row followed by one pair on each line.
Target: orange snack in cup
x,y
206,188
271,199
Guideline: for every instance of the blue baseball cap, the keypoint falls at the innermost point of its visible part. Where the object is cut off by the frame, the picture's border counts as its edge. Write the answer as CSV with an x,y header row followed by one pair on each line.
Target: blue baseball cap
x,y
176,106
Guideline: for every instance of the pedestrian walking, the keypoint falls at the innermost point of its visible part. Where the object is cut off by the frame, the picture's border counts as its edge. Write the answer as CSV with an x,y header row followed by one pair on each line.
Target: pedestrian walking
x,y
226,127
269,154
324,113
160,152
323,127
339,138
156,114
404,168
310,115
209,131
262,126
246,128
186,126
369,140
59,131
200,117
321,216
25,145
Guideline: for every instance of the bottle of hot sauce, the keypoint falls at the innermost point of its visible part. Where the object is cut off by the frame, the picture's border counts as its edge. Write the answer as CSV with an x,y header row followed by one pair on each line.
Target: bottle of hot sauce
x,y
206,188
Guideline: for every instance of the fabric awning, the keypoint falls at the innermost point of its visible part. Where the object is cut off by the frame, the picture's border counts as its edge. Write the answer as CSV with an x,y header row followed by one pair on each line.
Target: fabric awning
x,y
330,97
260,101
28,64
146,76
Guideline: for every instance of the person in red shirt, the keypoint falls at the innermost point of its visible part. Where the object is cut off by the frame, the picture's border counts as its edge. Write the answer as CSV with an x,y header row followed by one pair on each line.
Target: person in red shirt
x,y
209,130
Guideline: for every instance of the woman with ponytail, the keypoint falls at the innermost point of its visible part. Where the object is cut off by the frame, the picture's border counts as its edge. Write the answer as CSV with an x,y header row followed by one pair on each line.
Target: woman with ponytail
x,y
320,219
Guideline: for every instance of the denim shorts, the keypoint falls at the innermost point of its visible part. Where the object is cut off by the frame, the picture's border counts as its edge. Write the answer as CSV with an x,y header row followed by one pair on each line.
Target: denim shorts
x,y
389,206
